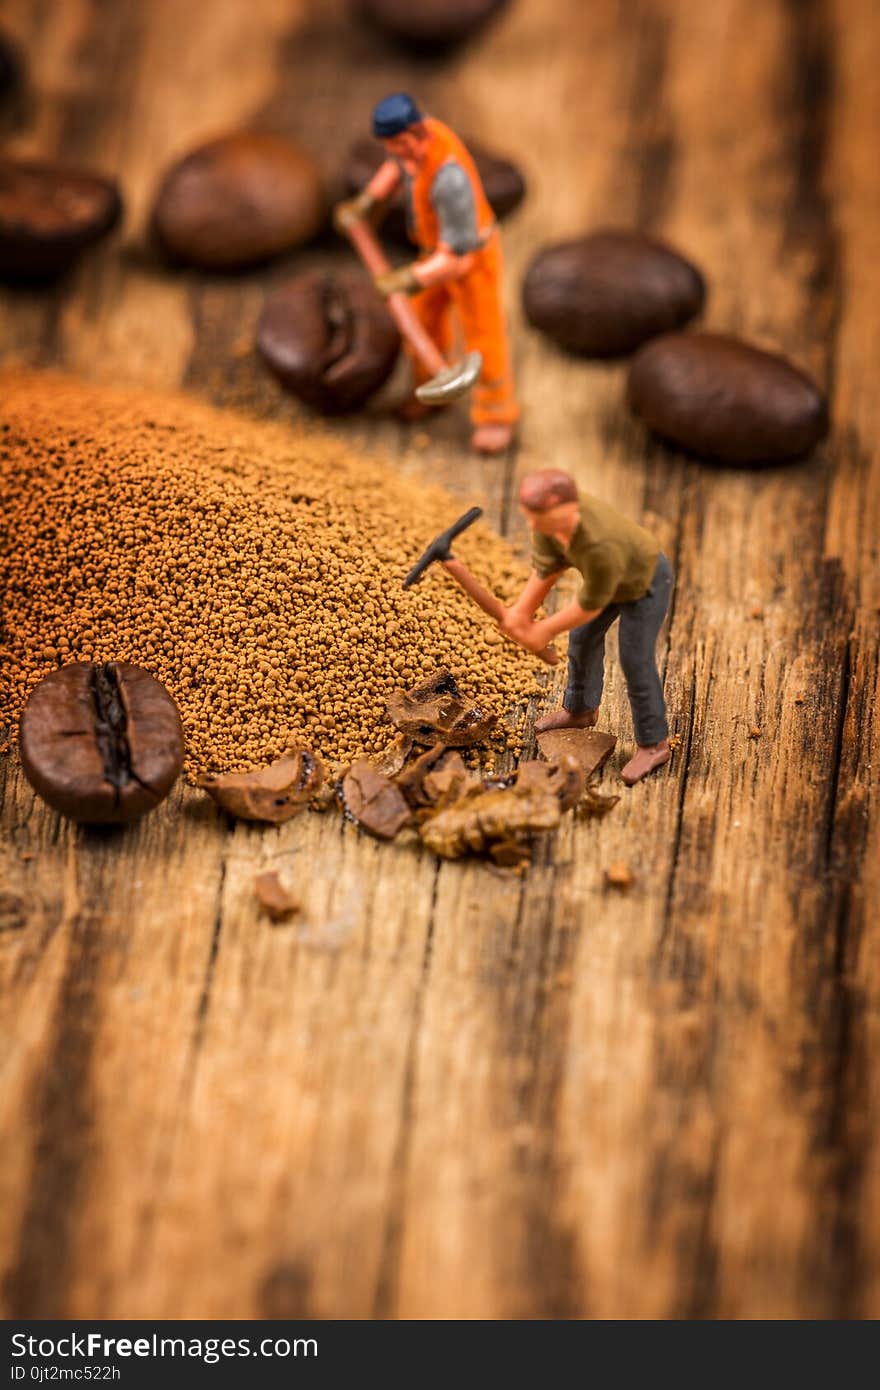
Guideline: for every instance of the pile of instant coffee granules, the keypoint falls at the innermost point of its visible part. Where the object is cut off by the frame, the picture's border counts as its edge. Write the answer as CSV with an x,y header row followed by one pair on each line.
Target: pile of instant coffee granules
x,y
254,569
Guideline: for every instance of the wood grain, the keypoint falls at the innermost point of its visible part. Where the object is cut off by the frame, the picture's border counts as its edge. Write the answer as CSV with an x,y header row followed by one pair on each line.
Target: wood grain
x,y
447,1093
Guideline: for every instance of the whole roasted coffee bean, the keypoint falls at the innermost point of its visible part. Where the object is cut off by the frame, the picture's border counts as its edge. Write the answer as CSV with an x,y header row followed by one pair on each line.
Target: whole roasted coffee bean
x,y
503,182
101,744
11,73
428,23
49,214
329,339
241,199
724,399
604,294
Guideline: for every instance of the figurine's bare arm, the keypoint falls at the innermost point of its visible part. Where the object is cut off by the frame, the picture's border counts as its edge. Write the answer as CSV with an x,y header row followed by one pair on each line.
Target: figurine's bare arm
x,y
517,621
374,195
384,181
441,266
533,595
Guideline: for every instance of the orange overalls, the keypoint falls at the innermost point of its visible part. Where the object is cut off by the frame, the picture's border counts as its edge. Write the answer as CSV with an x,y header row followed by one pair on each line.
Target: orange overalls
x,y
478,297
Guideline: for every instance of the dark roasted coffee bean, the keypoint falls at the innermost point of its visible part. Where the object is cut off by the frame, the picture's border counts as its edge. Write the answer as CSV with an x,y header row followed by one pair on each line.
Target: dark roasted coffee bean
x,y
725,399
11,75
329,339
428,23
241,199
49,214
604,294
504,184
101,744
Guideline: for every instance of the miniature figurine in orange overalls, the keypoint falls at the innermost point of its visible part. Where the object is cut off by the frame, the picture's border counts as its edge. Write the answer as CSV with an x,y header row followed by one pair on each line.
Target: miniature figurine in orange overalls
x,y
461,269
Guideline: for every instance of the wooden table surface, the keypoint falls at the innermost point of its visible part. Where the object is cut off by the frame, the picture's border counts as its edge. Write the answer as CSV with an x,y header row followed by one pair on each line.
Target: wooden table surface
x,y
454,1094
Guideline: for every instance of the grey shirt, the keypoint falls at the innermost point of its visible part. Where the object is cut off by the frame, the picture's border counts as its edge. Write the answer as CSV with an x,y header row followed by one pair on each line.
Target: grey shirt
x,y
453,200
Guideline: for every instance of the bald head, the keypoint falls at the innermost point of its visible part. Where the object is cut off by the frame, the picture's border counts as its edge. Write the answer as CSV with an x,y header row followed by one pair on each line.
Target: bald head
x,y
546,488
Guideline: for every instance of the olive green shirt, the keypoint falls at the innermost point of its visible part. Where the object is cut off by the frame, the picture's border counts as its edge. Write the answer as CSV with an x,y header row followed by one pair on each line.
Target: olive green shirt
x,y
616,557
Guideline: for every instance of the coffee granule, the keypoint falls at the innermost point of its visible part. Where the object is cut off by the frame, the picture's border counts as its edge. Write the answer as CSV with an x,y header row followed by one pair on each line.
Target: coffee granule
x,y
254,569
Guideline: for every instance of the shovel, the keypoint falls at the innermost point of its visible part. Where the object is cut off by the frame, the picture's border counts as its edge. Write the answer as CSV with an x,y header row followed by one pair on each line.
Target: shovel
x,y
447,382
439,550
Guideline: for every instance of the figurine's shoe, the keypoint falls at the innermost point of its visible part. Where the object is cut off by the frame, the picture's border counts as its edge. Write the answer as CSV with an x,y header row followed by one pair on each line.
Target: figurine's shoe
x,y
564,719
492,439
645,760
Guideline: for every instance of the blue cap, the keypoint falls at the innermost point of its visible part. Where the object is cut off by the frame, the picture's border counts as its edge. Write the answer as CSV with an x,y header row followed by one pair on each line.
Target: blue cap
x,y
394,114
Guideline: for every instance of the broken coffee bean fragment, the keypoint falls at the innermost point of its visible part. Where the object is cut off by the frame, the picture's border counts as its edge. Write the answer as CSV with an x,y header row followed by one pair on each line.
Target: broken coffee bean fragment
x,y
604,294
49,215
428,24
101,744
437,710
594,803
329,339
503,183
273,794
372,799
238,200
619,876
433,777
591,748
395,757
565,779
274,898
487,814
722,398
511,854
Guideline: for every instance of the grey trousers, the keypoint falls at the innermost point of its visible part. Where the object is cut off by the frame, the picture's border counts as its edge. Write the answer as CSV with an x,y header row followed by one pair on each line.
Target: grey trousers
x,y
640,623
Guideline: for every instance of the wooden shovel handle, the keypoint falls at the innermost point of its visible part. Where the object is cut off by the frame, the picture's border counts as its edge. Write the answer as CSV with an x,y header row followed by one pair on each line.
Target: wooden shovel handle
x,y
364,242
489,603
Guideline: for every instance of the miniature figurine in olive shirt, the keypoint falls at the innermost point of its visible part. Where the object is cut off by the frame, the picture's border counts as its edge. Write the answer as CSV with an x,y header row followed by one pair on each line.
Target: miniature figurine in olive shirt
x,y
624,576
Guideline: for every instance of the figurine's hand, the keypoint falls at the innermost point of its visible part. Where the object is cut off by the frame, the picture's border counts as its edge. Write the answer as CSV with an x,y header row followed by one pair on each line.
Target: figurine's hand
x,y
520,628
399,281
354,209
511,622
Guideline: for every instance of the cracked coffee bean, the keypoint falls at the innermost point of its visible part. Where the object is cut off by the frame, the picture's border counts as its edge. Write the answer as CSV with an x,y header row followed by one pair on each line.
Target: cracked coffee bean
x,y
724,399
604,294
49,215
239,200
329,339
428,23
101,744
504,184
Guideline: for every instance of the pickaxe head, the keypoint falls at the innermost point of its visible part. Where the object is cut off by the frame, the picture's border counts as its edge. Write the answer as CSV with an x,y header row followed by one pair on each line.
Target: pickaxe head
x,y
439,549
451,382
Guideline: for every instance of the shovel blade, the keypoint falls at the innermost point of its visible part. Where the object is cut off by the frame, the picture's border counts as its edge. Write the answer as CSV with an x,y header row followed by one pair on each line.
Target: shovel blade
x,y
452,382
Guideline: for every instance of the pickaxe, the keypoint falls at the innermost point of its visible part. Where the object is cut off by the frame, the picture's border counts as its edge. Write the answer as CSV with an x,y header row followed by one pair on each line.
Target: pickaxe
x,y
439,549
446,382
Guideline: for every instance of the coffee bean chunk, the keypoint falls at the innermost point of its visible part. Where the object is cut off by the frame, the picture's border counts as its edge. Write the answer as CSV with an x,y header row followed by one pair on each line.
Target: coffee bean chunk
x,y
428,23
239,200
101,744
49,214
604,294
329,339
503,182
724,399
